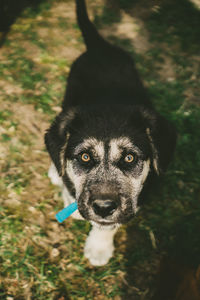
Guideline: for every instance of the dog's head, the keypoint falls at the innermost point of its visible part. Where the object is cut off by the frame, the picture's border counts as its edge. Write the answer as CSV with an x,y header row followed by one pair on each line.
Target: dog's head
x,y
105,157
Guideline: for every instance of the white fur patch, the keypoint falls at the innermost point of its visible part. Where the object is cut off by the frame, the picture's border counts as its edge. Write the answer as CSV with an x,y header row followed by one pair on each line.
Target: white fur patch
x,y
115,152
53,175
99,245
118,145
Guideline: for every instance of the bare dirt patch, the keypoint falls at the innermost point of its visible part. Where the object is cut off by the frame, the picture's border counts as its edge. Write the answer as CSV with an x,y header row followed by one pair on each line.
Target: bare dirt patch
x,y
129,28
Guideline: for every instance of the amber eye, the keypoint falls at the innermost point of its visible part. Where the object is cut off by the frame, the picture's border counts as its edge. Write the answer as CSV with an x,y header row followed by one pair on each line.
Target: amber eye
x,y
85,157
129,158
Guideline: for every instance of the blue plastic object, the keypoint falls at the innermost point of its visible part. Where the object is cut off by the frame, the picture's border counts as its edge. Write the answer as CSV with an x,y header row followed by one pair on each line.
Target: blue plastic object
x,y
66,212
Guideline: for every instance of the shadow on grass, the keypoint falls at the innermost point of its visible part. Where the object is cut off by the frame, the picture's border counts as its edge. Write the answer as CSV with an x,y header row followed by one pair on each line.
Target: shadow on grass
x,y
162,252
179,273
10,10
166,21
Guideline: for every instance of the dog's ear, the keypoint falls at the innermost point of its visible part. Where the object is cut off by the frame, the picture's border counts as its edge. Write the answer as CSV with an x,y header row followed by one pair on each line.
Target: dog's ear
x,y
56,139
162,137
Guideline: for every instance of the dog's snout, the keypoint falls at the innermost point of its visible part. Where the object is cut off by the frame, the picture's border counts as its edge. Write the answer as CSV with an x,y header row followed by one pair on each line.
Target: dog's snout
x,y
104,208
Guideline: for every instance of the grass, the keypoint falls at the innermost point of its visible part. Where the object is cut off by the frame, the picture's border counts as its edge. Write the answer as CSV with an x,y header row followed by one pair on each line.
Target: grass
x,y
41,259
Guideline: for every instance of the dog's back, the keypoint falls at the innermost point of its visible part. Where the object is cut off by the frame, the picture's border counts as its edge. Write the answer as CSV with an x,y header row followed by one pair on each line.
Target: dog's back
x,y
104,74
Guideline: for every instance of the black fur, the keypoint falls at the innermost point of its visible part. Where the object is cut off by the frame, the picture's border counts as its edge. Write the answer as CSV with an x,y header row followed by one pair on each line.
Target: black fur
x,y
109,100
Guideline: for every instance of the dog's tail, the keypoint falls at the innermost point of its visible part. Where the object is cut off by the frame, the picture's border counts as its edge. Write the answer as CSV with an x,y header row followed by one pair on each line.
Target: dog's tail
x,y
92,38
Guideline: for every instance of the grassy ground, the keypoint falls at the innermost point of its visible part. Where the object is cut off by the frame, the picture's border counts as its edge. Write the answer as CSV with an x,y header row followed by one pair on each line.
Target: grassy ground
x,y
40,259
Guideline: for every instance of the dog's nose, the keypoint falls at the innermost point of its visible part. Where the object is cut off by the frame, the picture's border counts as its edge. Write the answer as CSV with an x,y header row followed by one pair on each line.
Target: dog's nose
x,y
104,208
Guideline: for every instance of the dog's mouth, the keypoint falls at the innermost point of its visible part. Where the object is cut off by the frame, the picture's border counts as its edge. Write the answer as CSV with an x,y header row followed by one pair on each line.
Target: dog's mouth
x,y
118,217
106,223
88,214
103,224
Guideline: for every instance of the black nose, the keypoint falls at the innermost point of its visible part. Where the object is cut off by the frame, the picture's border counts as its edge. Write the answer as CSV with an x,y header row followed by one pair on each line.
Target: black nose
x,y
104,208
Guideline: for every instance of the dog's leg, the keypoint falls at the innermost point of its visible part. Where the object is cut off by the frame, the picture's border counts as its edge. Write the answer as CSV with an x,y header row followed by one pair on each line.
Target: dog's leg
x,y
53,175
99,245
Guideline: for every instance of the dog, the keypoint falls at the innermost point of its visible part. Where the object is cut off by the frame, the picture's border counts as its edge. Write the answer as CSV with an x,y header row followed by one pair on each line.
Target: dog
x,y
108,140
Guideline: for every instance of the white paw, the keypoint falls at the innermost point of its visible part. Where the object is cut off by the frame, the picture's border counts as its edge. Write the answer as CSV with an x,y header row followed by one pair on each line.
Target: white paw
x,y
97,255
53,175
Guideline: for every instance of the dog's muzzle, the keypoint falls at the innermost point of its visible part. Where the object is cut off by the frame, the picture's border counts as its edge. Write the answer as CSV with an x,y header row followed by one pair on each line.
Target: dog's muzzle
x,y
104,200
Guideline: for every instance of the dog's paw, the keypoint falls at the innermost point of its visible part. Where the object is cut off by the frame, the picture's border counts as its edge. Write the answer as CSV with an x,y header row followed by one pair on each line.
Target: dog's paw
x,y
98,255
53,175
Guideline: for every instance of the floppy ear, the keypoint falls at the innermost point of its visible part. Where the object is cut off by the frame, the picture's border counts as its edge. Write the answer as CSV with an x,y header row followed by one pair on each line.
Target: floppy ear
x,y
56,139
162,137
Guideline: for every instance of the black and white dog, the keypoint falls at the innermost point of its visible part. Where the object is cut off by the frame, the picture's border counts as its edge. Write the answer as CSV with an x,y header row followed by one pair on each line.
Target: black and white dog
x,y
108,140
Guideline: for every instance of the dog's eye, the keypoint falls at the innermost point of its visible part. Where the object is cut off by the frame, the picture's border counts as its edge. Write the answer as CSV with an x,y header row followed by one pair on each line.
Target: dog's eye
x,y
85,157
129,158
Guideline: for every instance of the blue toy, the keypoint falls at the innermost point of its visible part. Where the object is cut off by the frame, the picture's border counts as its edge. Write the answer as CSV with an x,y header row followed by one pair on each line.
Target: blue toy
x,y
66,212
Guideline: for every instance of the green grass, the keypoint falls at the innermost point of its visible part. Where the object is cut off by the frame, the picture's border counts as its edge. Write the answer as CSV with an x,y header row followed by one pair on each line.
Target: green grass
x,y
40,259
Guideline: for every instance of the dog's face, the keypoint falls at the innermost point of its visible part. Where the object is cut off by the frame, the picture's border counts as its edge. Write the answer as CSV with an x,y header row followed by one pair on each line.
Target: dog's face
x,y
105,159
108,177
